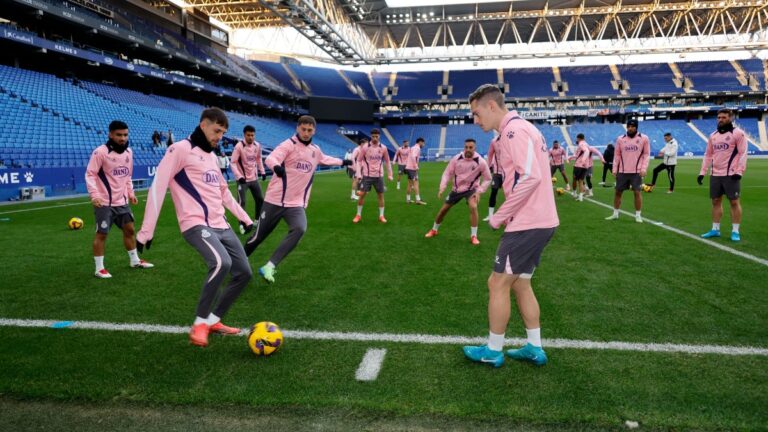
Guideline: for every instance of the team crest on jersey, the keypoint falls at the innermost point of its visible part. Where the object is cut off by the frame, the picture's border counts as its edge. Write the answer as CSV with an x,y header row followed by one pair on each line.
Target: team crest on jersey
x,y
211,177
304,166
727,137
120,171
510,134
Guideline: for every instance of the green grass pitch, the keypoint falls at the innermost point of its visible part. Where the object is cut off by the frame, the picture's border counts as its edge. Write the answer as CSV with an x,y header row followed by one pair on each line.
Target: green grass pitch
x,y
598,280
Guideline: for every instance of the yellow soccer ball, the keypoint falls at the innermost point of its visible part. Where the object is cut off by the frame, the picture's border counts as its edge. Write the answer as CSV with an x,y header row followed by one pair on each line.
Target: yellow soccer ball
x,y
647,188
75,223
554,180
265,338
560,191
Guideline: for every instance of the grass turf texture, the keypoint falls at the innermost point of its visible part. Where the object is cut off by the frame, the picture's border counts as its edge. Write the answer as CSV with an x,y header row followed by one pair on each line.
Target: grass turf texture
x,y
598,280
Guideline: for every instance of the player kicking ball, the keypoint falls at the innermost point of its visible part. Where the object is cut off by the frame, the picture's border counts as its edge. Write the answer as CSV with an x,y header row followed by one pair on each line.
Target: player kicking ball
x,y
466,169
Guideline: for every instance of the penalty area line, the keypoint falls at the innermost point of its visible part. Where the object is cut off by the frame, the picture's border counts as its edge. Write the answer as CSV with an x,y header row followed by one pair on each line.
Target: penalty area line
x,y
404,338
689,235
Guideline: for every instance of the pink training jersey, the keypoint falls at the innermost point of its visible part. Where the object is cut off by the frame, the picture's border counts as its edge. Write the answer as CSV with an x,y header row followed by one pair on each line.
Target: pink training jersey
x,y
529,199
246,159
108,176
632,154
557,156
300,161
726,153
401,156
491,158
595,151
413,158
466,174
371,160
198,190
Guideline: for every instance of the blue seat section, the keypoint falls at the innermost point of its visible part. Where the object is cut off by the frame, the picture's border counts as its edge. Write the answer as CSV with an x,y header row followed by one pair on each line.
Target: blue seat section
x,y
755,67
380,80
551,133
465,82
456,134
278,72
749,125
418,85
430,133
596,134
533,82
649,78
361,80
711,76
688,141
323,81
588,80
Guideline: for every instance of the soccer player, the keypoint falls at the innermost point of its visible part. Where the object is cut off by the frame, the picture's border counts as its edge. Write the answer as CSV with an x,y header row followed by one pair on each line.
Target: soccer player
x,y
371,160
557,160
630,163
352,169
608,164
412,170
669,153
200,195
108,179
466,169
590,164
247,165
529,216
497,179
401,158
582,161
294,162
726,155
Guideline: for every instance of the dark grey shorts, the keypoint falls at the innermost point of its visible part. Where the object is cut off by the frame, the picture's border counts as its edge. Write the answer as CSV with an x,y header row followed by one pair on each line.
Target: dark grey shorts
x,y
412,174
497,180
108,215
555,168
400,169
376,182
519,252
455,197
350,172
579,173
724,185
624,181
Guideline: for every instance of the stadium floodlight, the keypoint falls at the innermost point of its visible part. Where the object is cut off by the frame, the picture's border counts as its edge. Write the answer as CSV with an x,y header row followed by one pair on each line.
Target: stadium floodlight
x,y
410,3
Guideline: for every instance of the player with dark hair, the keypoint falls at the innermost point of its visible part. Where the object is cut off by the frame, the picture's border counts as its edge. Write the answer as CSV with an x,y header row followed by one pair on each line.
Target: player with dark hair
x,y
669,153
293,162
726,156
466,169
412,170
630,163
558,157
371,160
608,164
497,179
200,194
529,217
247,165
109,183
401,158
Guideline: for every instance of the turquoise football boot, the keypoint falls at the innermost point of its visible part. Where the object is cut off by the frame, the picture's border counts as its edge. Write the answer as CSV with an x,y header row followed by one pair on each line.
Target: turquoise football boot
x,y
482,354
529,353
711,233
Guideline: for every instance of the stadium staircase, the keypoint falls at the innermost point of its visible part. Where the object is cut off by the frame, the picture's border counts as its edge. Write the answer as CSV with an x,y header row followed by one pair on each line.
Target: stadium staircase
x,y
558,79
443,131
763,144
617,79
697,131
390,138
680,81
352,87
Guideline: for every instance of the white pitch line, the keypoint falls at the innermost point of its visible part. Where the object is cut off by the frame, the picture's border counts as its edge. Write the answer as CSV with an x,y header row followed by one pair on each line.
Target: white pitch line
x,y
55,206
406,338
371,365
689,235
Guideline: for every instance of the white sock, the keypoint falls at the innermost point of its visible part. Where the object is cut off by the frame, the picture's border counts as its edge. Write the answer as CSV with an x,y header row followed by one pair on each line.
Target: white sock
x,y
99,262
736,228
435,226
408,197
495,341
199,320
581,194
398,185
134,256
490,211
473,230
269,264
212,319
637,213
716,226
353,192
615,212
359,210
381,211
418,197
534,336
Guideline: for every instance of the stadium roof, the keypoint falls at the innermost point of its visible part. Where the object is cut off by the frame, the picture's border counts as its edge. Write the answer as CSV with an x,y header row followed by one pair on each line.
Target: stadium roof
x,y
372,32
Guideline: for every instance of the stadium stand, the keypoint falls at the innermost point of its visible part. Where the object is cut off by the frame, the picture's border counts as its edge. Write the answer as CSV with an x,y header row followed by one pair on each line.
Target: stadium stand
x,y
588,80
361,80
533,82
465,82
457,133
418,85
430,133
648,78
711,76
323,81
